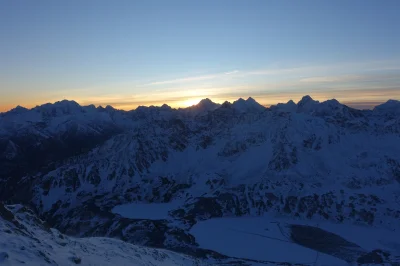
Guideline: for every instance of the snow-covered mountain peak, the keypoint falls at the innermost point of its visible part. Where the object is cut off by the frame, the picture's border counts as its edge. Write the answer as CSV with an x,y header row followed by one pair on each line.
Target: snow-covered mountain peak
x,y
65,104
205,102
306,104
251,99
18,110
391,106
330,105
166,107
306,100
226,104
109,108
333,102
240,105
249,105
290,106
204,106
331,110
90,107
64,107
392,102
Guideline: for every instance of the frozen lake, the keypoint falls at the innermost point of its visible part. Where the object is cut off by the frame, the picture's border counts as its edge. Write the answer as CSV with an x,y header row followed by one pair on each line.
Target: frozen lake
x,y
268,238
265,238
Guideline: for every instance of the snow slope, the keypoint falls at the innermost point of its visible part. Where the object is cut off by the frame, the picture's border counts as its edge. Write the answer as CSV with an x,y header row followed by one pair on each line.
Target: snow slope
x,y
25,240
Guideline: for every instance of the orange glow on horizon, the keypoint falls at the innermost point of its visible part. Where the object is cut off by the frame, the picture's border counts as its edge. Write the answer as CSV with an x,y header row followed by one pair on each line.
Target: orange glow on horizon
x,y
191,101
355,98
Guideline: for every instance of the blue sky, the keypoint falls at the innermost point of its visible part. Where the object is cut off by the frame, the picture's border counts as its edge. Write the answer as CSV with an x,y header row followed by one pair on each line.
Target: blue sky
x,y
129,53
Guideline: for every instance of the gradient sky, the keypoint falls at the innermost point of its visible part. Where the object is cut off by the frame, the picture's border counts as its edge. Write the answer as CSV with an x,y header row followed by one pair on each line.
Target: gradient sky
x,y
130,53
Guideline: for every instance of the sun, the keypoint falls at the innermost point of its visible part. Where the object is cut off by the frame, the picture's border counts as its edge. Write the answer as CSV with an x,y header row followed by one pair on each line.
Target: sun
x,y
190,102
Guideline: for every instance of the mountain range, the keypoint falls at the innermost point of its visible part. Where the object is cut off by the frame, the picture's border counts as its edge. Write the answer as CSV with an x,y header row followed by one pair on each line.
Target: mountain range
x,y
164,181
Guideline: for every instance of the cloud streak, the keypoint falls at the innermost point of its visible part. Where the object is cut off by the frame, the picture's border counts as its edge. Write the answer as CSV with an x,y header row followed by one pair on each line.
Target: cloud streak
x,y
181,80
309,71
232,72
328,79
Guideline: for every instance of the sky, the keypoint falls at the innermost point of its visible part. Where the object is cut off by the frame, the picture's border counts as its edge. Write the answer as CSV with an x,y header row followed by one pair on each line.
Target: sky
x,y
131,53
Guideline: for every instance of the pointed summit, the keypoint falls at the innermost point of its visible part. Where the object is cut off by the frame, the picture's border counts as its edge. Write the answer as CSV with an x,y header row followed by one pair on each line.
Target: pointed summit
x,y
205,101
204,106
251,100
207,105
90,108
306,99
240,105
290,106
18,109
165,106
249,105
226,104
306,104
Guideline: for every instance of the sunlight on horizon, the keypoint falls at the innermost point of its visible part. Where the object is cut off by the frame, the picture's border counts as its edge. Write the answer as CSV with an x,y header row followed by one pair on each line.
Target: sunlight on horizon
x,y
350,98
191,101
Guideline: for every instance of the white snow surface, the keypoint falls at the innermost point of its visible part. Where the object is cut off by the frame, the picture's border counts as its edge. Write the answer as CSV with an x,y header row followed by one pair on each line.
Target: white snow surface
x,y
25,241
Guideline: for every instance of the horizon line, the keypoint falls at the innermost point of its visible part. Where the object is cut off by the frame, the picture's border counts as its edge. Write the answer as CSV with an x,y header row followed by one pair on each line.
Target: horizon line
x,y
360,105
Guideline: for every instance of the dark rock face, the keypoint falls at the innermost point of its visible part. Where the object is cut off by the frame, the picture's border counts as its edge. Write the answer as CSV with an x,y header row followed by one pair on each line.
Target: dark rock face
x,y
374,257
326,242
6,214
394,168
44,157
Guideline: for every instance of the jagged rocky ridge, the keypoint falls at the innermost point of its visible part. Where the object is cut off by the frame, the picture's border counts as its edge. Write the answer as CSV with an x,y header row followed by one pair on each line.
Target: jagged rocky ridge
x,y
308,160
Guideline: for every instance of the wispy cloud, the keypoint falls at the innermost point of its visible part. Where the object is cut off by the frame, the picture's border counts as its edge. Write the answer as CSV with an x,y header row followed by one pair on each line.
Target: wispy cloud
x,y
232,72
181,80
326,79
312,73
221,76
